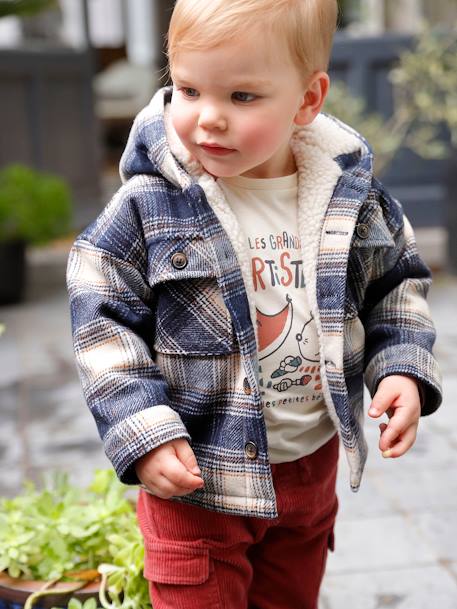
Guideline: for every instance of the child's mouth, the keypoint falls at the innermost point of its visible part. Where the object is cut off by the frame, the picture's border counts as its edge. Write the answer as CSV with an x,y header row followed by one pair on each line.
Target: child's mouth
x,y
216,150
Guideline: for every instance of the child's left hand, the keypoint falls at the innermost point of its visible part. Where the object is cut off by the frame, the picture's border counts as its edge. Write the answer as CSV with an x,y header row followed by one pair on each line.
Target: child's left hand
x,y
398,397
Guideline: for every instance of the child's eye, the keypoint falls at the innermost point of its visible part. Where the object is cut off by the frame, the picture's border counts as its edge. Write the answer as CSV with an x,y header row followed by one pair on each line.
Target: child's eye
x,y
243,97
189,92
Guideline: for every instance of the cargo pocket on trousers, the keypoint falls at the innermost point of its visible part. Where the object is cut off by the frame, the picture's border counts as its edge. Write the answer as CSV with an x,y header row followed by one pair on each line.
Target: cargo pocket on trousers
x,y
179,571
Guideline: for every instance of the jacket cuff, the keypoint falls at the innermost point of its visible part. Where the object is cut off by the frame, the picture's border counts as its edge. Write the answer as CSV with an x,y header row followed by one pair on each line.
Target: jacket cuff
x,y
137,435
408,360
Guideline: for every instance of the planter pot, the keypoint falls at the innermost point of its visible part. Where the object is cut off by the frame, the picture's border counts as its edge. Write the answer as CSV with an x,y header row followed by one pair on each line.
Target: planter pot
x,y
14,592
12,272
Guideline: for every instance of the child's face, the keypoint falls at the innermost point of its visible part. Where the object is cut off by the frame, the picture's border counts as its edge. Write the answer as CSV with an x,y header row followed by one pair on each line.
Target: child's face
x,y
244,97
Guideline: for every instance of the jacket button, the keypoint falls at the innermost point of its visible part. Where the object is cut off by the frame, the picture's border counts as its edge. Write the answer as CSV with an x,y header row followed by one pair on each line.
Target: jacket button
x,y
362,231
179,260
251,450
246,387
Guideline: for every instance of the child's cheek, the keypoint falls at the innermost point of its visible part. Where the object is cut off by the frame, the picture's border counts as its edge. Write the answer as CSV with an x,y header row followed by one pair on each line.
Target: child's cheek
x,y
259,137
181,122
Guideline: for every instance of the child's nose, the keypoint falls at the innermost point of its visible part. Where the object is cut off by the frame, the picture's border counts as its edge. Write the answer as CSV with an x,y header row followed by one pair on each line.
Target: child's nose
x,y
212,118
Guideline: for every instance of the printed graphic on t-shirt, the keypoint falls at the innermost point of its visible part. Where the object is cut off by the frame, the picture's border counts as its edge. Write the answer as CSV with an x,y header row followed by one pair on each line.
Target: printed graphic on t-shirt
x,y
288,350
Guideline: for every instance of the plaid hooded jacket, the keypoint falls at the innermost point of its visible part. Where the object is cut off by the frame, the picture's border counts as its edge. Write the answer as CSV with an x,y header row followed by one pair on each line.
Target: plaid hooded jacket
x,y
162,304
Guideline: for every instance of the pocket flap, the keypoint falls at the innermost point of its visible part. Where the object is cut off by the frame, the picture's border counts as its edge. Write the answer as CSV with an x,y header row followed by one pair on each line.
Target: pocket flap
x,y
371,230
170,562
196,258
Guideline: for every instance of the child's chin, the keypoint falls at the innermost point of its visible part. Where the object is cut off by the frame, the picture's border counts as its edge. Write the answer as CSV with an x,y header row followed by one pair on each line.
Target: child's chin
x,y
220,173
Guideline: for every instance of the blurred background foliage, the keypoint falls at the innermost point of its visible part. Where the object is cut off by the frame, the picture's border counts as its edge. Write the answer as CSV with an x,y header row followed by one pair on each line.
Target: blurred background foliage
x,y
25,7
35,207
425,101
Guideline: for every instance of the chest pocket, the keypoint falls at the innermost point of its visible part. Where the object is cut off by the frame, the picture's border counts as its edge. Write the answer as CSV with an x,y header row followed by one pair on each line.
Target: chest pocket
x,y
371,248
191,315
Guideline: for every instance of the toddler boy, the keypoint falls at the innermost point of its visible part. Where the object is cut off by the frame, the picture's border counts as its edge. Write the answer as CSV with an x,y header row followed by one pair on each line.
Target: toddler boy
x,y
231,299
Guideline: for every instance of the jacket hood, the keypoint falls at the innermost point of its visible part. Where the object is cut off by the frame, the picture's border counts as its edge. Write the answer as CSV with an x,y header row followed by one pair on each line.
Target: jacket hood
x,y
154,148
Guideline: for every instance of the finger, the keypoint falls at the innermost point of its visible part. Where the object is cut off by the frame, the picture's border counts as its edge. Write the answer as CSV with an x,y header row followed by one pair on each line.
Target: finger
x,y
382,399
165,492
186,455
174,490
161,487
164,488
179,492
157,486
404,443
389,435
395,428
173,472
177,474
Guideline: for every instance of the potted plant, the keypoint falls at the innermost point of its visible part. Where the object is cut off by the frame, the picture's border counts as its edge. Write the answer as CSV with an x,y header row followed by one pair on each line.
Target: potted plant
x,y
63,545
35,207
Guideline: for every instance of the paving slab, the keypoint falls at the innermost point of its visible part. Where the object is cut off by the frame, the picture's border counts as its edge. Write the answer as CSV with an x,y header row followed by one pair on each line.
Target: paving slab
x,y
438,528
375,543
411,588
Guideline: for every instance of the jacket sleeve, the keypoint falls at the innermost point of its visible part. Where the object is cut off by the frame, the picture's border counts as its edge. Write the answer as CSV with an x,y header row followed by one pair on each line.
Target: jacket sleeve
x,y
112,328
399,331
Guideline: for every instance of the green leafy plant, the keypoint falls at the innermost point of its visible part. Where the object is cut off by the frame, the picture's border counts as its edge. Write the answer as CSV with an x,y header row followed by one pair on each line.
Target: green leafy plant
x,y
351,109
34,206
425,101
349,11
24,7
75,604
425,87
59,531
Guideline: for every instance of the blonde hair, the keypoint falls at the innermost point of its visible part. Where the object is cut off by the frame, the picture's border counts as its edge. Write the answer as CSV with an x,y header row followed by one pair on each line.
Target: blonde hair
x,y
305,26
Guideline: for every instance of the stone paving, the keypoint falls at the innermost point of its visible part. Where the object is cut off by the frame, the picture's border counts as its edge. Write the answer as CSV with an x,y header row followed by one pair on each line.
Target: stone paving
x,y
395,539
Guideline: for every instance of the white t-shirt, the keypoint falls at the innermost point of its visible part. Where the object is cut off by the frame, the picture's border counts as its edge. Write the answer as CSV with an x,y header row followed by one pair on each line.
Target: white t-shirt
x,y
295,413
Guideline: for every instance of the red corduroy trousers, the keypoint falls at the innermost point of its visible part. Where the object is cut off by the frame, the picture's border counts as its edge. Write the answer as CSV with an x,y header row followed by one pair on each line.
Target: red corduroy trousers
x,y
197,558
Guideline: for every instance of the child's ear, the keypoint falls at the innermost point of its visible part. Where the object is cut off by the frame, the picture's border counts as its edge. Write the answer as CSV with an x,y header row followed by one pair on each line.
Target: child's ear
x,y
313,98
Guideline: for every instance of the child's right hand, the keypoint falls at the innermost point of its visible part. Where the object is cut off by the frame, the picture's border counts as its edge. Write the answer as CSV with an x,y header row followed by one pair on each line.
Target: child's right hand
x,y
166,471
